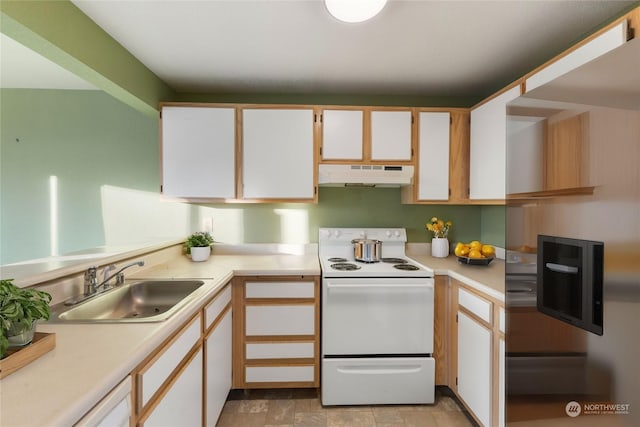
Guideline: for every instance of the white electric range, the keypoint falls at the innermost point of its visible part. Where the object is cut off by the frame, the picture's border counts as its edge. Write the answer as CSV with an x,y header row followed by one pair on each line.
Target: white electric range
x,y
377,321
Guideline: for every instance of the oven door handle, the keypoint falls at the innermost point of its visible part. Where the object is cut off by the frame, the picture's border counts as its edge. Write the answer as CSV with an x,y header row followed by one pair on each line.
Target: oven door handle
x,y
385,370
377,286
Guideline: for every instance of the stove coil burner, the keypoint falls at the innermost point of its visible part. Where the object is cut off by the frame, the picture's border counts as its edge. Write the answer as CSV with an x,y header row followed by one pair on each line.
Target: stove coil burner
x,y
394,260
345,266
406,267
337,259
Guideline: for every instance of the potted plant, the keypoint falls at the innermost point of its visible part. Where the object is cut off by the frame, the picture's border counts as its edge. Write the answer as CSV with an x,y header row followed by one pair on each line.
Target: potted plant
x,y
20,310
199,245
439,242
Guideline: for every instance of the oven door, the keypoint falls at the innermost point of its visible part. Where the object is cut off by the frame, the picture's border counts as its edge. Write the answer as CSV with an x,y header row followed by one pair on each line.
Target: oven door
x,y
377,316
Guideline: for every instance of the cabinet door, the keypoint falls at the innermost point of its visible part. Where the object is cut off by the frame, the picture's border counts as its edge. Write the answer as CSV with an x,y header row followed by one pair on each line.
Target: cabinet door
x,y
488,147
342,135
474,367
433,161
198,152
181,405
218,382
278,154
391,135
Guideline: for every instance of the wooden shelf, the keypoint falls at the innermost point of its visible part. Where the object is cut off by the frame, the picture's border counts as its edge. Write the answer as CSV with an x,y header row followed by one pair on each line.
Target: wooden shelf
x,y
21,357
548,194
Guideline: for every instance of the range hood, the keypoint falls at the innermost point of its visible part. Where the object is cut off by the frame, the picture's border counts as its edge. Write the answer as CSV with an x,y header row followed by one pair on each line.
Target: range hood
x,y
364,175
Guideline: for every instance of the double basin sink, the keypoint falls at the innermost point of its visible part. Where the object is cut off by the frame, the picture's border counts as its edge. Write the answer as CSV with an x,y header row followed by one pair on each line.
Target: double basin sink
x,y
133,302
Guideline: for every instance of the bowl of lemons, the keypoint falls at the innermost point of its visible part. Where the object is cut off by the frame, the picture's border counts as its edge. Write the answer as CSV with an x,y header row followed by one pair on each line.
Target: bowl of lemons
x,y
474,253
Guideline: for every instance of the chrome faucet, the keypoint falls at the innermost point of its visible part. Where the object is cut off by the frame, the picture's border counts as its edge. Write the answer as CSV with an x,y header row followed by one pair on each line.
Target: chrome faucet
x,y
91,284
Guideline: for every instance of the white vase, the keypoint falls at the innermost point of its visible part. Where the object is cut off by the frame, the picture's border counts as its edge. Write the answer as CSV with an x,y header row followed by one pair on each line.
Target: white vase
x,y
199,254
439,247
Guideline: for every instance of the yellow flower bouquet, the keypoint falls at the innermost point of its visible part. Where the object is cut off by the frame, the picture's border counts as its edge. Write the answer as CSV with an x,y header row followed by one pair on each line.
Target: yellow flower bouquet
x,y
438,227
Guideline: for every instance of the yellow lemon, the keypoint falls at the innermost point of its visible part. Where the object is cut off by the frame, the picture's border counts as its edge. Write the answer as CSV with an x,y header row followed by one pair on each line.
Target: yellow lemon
x,y
475,245
488,250
474,253
461,250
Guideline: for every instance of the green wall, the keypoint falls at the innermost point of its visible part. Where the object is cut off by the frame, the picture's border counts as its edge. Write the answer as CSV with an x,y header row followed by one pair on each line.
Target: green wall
x,y
87,139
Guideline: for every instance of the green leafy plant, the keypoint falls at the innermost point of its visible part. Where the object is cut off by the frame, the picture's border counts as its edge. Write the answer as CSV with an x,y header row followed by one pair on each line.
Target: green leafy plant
x,y
199,239
19,308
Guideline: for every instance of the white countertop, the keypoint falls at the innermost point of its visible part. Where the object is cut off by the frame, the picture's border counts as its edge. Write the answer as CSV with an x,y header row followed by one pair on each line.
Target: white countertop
x,y
487,279
90,359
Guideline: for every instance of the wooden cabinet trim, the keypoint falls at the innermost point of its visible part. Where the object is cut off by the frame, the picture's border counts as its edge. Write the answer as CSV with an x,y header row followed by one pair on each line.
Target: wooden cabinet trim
x,y
278,338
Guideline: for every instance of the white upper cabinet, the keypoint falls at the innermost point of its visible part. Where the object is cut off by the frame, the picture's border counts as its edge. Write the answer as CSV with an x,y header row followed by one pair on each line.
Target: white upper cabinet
x,y
278,154
198,152
433,152
487,157
607,41
391,135
342,134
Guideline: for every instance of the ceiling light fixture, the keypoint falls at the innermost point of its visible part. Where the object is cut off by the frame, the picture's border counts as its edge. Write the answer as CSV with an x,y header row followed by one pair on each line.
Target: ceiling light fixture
x,y
354,10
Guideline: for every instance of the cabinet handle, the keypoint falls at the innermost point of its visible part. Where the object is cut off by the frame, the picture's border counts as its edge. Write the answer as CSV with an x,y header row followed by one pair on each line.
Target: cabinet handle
x,y
561,268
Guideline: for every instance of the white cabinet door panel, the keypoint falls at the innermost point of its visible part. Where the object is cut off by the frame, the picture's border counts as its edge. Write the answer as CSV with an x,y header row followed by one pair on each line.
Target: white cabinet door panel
x,y
217,306
283,350
218,381
487,168
201,136
280,320
155,375
342,135
391,135
182,403
267,374
433,164
475,304
474,367
277,154
280,290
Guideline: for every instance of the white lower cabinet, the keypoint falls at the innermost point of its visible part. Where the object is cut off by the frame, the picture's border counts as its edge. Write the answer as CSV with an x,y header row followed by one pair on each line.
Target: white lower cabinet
x,y
114,410
218,368
474,367
181,404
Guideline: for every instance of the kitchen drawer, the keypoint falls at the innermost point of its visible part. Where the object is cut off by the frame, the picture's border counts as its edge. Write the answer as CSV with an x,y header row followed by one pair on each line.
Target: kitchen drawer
x,y
476,305
280,350
157,371
280,290
378,380
268,374
280,320
217,306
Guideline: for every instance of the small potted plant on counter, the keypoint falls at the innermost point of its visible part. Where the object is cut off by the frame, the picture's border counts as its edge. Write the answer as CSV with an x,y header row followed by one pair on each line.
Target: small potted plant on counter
x,y
199,246
20,310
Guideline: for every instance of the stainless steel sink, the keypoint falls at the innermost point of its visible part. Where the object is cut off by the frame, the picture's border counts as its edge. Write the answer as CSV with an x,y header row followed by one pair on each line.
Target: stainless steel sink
x,y
138,301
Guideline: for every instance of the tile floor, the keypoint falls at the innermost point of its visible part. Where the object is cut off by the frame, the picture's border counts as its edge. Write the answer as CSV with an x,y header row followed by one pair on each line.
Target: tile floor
x,y
291,407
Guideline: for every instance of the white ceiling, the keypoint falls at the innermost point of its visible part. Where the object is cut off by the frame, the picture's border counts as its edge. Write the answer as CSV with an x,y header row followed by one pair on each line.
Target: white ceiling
x,y
429,48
